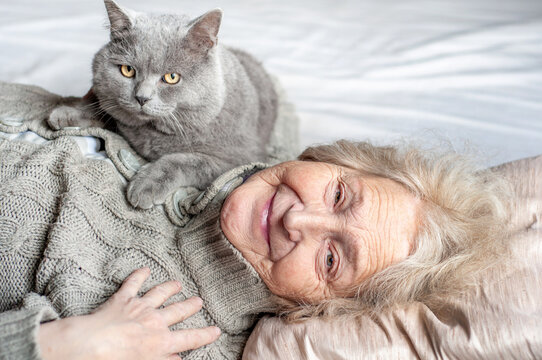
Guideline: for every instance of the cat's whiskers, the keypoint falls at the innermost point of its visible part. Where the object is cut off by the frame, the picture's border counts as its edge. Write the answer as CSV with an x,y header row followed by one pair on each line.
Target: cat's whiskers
x,y
128,105
93,108
177,127
103,110
170,120
197,122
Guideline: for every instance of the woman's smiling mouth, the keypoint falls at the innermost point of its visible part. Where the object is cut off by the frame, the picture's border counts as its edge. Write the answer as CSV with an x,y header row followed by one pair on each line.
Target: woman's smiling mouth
x,y
265,218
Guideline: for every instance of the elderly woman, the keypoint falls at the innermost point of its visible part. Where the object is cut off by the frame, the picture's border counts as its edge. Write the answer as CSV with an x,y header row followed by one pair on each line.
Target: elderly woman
x,y
350,228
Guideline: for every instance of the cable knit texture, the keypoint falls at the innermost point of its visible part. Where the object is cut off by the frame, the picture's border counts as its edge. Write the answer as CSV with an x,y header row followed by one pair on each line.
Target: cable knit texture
x,y
68,238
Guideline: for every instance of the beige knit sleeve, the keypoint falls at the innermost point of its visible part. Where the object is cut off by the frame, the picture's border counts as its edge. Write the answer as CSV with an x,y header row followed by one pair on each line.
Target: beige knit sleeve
x,y
19,329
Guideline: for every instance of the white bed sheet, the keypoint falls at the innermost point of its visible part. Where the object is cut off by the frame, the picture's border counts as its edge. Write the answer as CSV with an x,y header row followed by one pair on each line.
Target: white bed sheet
x,y
465,70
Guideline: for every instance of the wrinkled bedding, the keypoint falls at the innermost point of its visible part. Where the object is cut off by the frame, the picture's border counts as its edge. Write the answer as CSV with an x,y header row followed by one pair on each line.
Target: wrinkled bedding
x,y
464,70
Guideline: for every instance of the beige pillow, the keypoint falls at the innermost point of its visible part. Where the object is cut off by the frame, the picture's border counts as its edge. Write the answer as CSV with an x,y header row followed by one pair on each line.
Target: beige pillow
x,y
502,319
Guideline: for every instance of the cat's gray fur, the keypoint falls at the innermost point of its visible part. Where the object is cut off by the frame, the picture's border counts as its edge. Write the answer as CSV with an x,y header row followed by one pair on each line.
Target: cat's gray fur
x,y
219,115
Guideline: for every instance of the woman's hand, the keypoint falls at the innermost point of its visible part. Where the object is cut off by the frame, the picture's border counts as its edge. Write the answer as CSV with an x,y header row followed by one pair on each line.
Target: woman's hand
x,y
127,326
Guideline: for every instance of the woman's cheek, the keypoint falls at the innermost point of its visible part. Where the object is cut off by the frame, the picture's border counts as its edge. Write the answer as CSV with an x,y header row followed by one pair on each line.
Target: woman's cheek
x,y
292,279
232,218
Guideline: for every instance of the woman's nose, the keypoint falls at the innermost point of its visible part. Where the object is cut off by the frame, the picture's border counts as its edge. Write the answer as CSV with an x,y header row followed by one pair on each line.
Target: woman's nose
x,y
302,224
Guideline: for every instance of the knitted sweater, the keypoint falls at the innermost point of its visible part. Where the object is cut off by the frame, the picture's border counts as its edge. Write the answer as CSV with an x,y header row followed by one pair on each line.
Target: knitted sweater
x,y
68,238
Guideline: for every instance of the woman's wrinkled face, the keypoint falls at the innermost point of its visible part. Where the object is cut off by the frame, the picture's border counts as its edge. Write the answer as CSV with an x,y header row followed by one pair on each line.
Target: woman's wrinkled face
x,y
314,231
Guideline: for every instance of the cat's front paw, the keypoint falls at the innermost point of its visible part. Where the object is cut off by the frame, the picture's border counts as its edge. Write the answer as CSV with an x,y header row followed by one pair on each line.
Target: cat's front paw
x,y
64,116
149,187
69,116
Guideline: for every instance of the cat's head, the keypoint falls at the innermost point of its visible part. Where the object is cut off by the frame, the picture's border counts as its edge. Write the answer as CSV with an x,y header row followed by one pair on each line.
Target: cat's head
x,y
159,68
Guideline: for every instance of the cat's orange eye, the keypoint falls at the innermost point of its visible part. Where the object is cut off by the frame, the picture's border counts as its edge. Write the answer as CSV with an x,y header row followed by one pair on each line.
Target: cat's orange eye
x,y
127,71
171,78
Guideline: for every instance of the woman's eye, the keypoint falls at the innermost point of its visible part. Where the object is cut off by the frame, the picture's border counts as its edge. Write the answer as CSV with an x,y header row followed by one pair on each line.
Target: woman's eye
x,y
329,259
338,195
127,71
171,78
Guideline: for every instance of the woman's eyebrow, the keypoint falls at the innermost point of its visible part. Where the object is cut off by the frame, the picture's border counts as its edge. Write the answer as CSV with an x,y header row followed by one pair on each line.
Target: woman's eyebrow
x,y
328,190
351,244
356,186
351,260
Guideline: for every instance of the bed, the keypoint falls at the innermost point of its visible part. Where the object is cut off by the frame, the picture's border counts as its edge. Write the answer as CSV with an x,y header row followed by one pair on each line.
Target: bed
x,y
463,73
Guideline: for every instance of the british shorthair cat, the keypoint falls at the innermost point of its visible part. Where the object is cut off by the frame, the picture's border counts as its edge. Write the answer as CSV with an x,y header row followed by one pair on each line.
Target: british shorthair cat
x,y
190,106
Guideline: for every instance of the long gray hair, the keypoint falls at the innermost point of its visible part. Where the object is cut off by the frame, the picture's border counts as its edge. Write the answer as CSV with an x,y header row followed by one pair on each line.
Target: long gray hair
x,y
461,232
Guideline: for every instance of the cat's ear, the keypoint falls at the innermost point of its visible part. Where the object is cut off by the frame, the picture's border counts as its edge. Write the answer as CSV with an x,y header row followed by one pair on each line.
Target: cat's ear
x,y
120,20
203,30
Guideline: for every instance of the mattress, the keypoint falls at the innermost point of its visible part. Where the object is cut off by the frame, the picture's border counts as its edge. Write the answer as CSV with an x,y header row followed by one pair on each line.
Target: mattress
x,y
465,73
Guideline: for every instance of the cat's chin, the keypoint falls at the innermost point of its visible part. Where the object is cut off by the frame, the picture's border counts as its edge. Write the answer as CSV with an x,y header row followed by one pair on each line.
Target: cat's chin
x,y
139,119
144,112
140,114
135,119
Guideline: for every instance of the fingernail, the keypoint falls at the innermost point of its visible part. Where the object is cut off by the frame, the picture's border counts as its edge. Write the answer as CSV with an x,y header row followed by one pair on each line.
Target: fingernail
x,y
179,285
217,331
198,300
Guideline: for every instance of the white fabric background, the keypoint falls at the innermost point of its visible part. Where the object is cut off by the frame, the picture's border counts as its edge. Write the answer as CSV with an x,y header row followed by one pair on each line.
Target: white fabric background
x,y
464,70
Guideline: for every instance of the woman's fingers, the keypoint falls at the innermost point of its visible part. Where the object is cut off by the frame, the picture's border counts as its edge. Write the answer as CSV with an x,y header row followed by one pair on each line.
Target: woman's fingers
x,y
180,311
159,294
193,338
133,282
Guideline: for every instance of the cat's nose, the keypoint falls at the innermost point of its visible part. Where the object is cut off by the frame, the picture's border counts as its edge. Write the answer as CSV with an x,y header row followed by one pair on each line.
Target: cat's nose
x,y
142,100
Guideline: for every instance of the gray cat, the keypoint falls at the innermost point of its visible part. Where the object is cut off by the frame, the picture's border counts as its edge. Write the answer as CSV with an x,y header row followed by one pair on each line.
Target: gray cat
x,y
190,106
